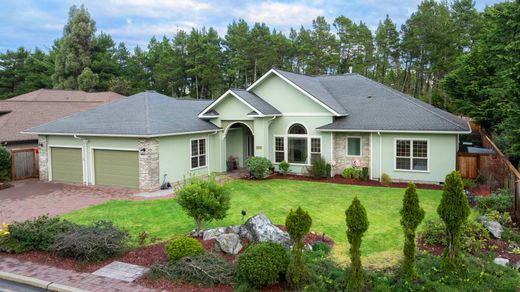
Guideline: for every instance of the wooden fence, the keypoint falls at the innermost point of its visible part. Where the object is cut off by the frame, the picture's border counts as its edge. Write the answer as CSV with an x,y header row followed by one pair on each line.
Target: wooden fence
x,y
500,172
24,163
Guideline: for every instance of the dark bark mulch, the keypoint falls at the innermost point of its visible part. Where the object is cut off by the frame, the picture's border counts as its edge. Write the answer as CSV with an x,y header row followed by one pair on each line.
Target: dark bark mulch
x,y
347,181
5,186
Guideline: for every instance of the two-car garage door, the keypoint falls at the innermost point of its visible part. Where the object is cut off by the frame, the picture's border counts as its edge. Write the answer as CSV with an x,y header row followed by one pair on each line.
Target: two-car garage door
x,y
111,167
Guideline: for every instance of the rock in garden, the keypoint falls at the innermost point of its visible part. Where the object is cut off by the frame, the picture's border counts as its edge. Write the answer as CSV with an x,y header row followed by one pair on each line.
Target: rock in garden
x,y
517,265
213,233
262,229
229,243
501,261
493,227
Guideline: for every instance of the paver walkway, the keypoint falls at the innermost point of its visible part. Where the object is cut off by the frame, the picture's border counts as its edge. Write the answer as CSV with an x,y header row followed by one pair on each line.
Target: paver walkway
x,y
83,281
121,271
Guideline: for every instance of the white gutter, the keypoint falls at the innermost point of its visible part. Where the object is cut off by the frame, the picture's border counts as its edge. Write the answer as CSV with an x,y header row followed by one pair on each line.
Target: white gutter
x,y
396,131
120,135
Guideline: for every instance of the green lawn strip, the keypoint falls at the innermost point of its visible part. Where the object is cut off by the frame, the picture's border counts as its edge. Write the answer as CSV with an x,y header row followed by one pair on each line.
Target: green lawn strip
x,y
325,202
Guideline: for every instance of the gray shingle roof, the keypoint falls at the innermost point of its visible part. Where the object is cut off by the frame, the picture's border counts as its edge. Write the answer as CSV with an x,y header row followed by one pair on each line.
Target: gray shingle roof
x,y
142,114
385,109
256,101
313,86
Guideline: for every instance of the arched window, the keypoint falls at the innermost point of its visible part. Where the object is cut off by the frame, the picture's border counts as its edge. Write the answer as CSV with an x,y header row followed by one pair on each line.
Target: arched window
x,y
297,129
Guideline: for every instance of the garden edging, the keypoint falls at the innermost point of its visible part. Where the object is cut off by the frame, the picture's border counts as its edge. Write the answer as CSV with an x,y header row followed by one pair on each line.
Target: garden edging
x,y
34,282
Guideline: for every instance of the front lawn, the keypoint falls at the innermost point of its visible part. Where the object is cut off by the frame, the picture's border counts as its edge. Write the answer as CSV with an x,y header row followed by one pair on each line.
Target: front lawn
x,y
325,202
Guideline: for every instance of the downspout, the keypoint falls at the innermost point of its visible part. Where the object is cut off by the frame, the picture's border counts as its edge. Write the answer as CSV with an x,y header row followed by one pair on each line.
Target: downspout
x,y
380,154
85,158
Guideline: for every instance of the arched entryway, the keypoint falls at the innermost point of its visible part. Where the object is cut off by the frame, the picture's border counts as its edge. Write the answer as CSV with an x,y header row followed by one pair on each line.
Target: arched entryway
x,y
239,145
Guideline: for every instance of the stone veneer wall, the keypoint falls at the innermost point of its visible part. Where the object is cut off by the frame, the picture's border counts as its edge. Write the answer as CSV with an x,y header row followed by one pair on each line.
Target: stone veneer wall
x,y
43,158
149,164
340,151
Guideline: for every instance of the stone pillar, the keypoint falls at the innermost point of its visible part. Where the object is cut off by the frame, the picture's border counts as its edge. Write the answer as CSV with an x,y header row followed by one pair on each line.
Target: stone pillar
x,y
149,179
43,158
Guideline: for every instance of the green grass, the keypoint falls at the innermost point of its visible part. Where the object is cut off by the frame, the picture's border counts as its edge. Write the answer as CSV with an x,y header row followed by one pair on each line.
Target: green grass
x,y
325,202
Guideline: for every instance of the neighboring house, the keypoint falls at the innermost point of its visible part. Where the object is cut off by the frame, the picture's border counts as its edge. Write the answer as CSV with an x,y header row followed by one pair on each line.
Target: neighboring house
x,y
42,106
349,119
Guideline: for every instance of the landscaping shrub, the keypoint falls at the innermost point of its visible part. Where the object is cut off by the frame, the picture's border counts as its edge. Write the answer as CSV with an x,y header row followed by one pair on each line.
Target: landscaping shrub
x,y
258,167
326,274
37,234
364,174
500,200
5,164
204,200
476,274
468,183
411,216
474,235
504,218
357,225
321,246
511,235
181,247
206,269
263,263
318,168
386,180
352,172
284,167
92,243
298,224
454,211
328,170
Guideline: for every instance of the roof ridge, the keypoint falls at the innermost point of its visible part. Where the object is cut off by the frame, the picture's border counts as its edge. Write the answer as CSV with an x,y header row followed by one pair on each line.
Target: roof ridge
x,y
410,100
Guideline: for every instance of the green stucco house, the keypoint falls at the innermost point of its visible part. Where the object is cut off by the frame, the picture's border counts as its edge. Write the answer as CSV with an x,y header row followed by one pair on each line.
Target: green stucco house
x,y
348,119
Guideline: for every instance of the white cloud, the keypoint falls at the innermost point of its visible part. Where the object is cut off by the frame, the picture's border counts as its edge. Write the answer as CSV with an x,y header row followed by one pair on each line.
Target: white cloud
x,y
281,14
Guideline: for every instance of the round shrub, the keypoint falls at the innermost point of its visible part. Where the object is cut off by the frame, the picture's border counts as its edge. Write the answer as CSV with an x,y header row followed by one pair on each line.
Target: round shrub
x,y
258,167
284,167
263,263
321,246
182,247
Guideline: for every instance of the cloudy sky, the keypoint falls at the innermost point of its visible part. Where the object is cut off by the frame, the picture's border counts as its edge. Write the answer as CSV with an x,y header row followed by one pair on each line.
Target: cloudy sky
x,y
36,23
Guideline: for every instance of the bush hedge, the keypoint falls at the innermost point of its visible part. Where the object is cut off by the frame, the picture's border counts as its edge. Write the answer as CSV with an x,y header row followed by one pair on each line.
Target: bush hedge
x,y
92,243
263,263
5,164
318,168
284,167
181,247
258,167
352,172
500,200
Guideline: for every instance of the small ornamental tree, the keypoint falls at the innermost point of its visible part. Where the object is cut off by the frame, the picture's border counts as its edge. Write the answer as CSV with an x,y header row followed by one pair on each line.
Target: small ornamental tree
x,y
357,225
454,211
298,224
411,216
204,200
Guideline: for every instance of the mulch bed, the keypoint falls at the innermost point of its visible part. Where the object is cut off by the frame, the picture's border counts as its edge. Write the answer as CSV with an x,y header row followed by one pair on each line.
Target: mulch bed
x,y
5,186
348,181
496,246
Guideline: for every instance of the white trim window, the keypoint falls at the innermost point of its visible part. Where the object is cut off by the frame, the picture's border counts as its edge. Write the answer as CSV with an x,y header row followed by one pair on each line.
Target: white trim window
x,y
279,149
198,153
315,149
354,146
411,154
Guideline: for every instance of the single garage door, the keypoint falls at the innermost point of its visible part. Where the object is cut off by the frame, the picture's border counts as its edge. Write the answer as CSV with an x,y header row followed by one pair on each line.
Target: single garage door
x,y
116,168
67,164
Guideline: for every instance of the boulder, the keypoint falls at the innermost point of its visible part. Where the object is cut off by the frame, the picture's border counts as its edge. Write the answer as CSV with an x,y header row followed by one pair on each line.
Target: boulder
x,y
501,261
494,228
213,233
517,265
260,228
229,243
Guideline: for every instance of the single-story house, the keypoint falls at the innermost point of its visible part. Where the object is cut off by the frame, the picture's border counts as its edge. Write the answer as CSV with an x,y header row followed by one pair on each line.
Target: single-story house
x,y
348,119
42,106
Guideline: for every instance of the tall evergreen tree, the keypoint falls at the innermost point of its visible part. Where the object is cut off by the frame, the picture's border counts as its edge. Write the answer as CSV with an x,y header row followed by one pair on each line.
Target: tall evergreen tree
x,y
75,48
357,225
387,49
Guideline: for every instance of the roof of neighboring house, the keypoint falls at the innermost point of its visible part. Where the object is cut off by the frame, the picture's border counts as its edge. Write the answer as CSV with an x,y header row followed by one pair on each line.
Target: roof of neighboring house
x,y
42,106
145,114
374,106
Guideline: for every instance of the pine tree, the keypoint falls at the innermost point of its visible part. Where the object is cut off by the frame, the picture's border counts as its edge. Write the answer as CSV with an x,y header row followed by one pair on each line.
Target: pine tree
x,y
75,48
454,211
357,225
298,224
411,216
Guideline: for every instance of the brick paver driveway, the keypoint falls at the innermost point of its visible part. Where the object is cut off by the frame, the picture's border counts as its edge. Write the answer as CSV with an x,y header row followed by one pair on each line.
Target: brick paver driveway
x,y
30,198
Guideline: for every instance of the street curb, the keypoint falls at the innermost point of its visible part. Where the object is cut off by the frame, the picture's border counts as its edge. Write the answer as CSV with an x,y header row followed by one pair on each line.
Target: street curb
x,y
50,286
